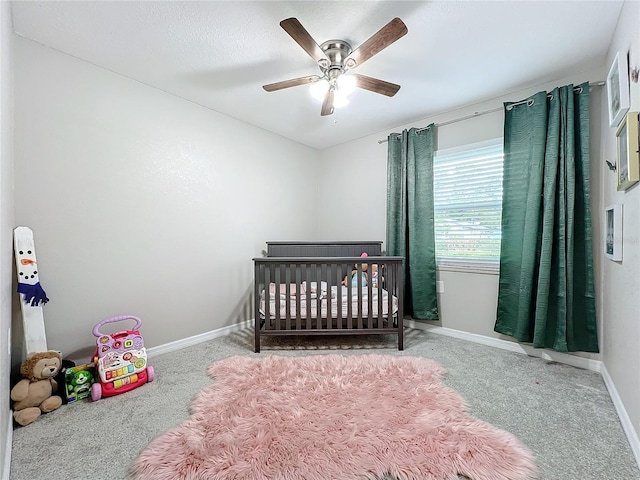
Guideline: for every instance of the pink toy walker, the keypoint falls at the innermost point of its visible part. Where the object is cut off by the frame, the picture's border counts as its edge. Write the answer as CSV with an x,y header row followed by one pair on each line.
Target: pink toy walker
x,y
120,360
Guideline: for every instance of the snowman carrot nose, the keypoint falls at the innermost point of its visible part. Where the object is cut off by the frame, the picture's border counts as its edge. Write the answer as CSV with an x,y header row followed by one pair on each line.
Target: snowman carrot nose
x,y
27,261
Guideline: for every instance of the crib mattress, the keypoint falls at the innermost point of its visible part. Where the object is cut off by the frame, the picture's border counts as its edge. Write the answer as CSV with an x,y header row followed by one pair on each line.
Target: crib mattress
x,y
328,305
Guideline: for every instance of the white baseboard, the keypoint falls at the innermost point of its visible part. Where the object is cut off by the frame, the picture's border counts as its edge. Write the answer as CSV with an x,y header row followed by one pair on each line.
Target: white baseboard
x,y
627,426
196,339
6,468
564,358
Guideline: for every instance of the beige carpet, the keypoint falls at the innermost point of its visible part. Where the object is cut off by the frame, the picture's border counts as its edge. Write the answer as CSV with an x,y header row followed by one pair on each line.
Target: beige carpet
x,y
563,414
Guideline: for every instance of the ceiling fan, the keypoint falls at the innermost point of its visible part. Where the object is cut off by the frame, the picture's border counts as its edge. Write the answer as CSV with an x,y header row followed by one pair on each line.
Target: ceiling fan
x,y
335,58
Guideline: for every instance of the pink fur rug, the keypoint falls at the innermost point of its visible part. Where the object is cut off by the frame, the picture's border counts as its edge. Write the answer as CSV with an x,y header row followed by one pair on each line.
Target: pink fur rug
x,y
325,417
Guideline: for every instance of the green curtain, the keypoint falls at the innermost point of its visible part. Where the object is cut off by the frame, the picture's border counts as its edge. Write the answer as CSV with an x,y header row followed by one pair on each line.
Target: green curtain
x,y
410,228
546,290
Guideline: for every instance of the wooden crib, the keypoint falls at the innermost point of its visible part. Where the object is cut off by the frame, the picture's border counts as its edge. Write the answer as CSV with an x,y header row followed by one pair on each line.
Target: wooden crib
x,y
299,290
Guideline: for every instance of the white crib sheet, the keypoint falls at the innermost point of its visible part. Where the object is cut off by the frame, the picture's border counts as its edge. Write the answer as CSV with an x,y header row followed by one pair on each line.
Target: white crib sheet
x,y
329,307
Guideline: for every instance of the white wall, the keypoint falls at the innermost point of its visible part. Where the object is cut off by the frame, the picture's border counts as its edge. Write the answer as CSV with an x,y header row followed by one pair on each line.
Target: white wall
x,y
361,165
6,227
620,281
143,203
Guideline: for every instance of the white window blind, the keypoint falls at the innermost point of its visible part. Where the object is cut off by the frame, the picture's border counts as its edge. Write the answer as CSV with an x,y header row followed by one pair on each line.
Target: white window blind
x,y
467,185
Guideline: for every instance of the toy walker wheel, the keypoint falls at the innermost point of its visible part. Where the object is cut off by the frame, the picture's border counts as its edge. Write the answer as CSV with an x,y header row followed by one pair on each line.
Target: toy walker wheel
x,y
150,374
96,392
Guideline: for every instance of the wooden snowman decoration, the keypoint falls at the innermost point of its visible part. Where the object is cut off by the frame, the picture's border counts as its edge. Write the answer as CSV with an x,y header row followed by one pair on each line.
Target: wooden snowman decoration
x,y
32,295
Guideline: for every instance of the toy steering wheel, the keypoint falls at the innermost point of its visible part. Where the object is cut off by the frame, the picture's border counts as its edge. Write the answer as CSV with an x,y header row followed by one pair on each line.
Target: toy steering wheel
x,y
96,331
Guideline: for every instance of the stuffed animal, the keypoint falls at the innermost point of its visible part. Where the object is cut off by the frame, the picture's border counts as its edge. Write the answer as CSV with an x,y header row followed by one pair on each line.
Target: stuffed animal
x,y
78,381
374,275
354,274
33,394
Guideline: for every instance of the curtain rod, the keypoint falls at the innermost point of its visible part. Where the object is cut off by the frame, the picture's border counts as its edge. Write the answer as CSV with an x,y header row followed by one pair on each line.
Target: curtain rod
x,y
493,110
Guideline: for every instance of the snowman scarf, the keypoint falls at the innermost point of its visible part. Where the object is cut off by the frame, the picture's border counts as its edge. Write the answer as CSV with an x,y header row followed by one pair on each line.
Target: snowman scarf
x,y
33,294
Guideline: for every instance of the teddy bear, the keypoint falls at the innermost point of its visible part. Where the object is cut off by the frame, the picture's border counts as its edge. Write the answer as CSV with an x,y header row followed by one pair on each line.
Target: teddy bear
x,y
33,394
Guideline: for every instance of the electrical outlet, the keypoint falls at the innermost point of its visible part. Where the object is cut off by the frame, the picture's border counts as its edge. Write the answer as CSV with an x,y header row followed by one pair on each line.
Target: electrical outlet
x,y
440,286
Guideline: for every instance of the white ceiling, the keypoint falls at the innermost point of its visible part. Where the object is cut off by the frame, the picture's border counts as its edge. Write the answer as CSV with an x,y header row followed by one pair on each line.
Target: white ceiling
x,y
218,54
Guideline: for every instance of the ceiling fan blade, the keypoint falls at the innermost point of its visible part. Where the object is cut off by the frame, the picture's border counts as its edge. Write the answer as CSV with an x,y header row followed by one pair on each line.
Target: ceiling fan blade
x,y
376,85
294,82
295,29
384,37
327,105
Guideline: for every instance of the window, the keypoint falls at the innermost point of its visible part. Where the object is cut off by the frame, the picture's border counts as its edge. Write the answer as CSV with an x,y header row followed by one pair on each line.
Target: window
x,y
467,185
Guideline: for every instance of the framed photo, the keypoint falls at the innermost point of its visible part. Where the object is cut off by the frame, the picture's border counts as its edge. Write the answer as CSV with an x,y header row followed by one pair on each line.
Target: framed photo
x,y
613,232
618,89
628,160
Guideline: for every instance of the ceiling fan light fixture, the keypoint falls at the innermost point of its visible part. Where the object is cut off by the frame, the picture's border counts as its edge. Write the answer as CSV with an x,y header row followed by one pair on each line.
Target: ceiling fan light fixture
x,y
347,84
340,99
319,89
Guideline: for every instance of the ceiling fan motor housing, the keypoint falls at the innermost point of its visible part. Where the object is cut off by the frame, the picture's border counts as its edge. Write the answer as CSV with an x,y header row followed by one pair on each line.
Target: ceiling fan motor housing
x,y
337,52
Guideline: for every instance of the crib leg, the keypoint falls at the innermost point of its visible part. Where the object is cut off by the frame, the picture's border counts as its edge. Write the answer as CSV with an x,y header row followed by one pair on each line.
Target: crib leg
x,y
400,335
256,341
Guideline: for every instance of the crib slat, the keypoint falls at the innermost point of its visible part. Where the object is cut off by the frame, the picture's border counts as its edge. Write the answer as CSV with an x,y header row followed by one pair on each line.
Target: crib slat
x,y
308,310
267,297
359,295
298,294
369,296
380,315
349,302
287,314
318,316
276,294
326,299
390,284
338,279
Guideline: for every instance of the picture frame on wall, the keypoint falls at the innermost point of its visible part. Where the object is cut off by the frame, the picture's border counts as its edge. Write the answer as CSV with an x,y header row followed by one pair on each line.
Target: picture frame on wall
x,y
618,89
613,232
627,156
